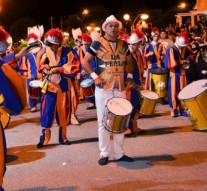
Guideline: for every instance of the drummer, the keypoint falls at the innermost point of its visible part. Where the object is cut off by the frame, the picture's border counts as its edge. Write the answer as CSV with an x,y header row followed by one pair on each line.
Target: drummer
x,y
30,64
56,99
86,41
11,92
112,61
134,42
153,54
177,76
12,86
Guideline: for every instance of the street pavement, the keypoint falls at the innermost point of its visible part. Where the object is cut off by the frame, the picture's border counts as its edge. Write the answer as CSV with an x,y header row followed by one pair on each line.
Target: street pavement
x,y
170,156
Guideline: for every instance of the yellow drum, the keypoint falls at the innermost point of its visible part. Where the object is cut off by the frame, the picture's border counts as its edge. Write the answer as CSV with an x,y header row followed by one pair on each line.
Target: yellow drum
x,y
148,100
159,78
4,117
194,99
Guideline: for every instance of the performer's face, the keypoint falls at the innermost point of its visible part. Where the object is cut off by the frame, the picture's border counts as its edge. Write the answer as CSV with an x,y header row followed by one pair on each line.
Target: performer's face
x,y
112,29
54,47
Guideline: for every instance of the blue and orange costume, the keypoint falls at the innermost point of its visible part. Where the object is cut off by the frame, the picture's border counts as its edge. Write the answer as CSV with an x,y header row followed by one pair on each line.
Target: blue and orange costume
x,y
177,75
29,67
12,90
56,101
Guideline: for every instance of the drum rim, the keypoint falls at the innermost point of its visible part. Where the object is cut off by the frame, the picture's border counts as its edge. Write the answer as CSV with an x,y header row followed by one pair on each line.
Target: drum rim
x,y
49,78
116,114
191,98
164,72
35,80
149,91
88,84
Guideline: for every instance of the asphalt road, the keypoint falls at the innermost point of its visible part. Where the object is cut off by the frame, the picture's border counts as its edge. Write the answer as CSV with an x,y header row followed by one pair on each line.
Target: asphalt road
x,y
170,156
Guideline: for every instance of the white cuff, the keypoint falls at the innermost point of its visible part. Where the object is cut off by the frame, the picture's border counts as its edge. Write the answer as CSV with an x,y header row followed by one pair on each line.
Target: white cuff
x,y
129,75
94,75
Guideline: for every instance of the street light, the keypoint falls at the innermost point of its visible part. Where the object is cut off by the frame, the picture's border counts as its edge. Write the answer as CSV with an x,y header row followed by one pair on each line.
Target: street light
x,y
142,16
126,17
182,5
85,12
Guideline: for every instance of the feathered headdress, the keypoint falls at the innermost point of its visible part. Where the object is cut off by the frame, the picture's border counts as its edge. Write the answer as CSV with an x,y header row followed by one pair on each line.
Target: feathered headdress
x,y
55,36
3,40
86,39
37,30
154,31
182,39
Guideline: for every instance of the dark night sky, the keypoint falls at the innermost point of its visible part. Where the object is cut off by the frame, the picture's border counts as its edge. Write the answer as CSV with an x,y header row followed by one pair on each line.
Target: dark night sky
x,y
41,10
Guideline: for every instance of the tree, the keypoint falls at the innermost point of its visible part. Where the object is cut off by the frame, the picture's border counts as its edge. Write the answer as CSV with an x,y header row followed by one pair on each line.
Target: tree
x,y
18,29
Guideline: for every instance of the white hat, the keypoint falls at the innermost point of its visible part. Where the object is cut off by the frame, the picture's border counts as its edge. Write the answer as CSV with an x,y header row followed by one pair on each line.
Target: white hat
x,y
77,33
37,30
154,32
110,19
182,39
134,39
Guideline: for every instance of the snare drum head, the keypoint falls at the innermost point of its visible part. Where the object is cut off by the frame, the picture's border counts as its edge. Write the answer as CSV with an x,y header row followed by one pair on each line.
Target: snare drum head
x,y
158,71
55,78
119,106
149,94
193,89
86,83
35,83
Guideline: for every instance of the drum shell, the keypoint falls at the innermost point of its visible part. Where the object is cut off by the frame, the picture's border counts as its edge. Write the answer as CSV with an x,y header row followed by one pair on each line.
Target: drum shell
x,y
88,87
146,105
34,91
197,110
159,82
117,123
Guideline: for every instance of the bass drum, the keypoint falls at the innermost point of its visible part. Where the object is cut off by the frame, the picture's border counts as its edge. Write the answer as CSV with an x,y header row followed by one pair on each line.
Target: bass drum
x,y
193,98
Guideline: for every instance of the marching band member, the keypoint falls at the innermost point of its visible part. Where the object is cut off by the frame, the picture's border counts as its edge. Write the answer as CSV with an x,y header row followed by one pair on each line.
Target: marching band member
x,y
12,92
133,94
154,55
77,36
177,75
86,41
56,99
30,64
3,153
112,60
12,84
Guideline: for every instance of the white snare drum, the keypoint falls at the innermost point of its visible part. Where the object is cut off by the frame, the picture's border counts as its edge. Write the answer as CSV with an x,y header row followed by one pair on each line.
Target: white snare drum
x,y
117,115
148,100
54,78
35,89
88,87
193,97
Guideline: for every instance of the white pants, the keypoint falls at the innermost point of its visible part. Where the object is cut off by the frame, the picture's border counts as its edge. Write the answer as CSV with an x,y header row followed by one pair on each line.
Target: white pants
x,y
102,96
